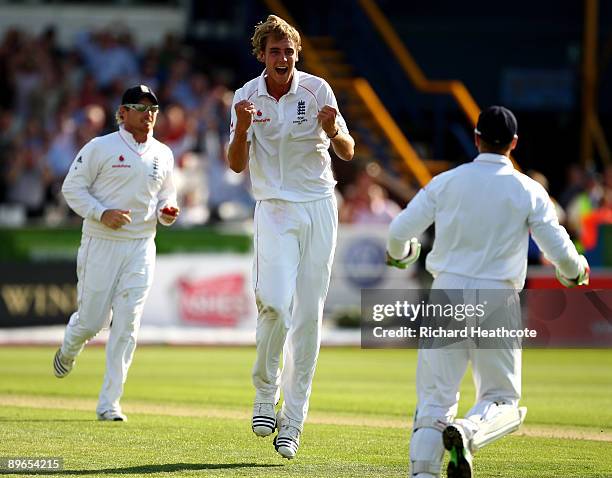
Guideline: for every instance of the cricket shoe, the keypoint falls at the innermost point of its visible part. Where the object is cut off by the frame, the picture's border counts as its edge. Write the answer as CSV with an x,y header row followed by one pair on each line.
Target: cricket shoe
x,y
287,441
62,365
112,416
460,462
263,422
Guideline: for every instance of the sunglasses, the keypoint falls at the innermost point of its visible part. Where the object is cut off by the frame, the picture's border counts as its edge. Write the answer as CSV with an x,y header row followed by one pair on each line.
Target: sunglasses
x,y
142,108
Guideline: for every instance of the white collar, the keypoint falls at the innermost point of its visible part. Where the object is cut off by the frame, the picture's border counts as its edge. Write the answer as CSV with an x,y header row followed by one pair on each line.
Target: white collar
x,y
129,139
263,88
493,158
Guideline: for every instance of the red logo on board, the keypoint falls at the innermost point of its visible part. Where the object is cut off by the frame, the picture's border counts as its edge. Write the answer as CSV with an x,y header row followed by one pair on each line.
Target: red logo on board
x,y
214,301
259,113
121,158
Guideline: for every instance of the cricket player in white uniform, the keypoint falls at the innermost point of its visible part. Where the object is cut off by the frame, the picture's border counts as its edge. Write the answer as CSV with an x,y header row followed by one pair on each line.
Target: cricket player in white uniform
x,y
483,212
282,124
121,184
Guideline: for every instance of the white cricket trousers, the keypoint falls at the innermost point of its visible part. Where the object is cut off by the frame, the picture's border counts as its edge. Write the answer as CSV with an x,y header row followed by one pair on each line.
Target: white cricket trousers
x,y
114,278
496,374
294,251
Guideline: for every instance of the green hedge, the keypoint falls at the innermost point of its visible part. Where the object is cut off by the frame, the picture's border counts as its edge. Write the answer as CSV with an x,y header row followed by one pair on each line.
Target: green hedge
x,y
43,244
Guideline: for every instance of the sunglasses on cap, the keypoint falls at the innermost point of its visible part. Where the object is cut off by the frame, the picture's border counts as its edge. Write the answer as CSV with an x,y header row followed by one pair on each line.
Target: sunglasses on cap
x,y
142,108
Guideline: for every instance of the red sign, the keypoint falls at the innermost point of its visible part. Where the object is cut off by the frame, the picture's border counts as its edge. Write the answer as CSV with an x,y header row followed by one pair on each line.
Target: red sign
x,y
214,301
577,317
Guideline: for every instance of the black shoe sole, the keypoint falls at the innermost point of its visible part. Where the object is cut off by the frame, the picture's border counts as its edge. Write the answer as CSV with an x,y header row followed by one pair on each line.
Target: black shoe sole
x,y
453,442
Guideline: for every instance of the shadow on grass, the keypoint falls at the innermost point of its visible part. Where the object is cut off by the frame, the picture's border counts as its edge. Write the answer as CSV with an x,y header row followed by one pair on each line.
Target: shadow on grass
x,y
148,469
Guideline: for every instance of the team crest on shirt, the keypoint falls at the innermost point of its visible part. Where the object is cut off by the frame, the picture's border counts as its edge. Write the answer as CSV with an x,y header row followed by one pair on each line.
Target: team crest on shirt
x,y
301,113
155,173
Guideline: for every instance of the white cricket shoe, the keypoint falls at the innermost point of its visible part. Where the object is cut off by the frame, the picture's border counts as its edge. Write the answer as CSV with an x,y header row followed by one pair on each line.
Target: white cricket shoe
x,y
61,365
263,422
460,462
112,416
287,441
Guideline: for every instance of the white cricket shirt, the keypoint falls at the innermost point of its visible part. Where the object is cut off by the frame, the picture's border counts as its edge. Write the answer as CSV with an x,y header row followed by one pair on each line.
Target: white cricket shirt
x,y
483,212
288,149
116,172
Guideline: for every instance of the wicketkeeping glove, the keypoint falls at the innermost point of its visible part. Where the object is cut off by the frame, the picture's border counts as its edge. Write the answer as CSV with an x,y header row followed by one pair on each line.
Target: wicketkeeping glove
x,y
582,279
411,258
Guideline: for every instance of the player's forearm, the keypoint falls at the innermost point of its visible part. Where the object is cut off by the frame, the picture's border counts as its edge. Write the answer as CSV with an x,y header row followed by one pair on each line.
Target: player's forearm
x,y
411,222
83,203
238,152
344,146
558,248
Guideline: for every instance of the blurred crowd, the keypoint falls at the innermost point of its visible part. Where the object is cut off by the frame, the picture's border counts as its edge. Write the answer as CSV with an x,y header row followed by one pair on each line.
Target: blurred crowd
x,y
582,208
53,100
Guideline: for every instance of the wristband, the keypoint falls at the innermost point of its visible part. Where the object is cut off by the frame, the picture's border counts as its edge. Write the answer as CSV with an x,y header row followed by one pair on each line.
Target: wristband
x,y
334,135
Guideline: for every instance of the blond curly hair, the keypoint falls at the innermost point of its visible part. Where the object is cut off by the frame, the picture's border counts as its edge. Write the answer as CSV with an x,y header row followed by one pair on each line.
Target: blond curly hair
x,y
277,28
119,116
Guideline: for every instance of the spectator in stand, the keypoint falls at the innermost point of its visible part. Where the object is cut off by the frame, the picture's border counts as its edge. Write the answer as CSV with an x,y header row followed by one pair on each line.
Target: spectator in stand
x,y
149,74
367,203
6,141
576,180
52,101
90,94
190,181
70,139
177,130
171,49
72,136
27,180
108,57
591,222
583,203
179,87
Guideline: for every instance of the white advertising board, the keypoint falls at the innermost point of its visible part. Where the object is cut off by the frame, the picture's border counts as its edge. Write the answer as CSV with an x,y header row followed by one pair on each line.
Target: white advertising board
x,y
360,264
202,290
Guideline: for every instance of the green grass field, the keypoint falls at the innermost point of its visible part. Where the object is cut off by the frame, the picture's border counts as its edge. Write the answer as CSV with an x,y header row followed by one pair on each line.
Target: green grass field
x,y
189,415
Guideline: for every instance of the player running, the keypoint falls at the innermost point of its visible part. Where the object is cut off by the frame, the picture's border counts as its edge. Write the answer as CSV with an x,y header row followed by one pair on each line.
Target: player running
x,y
121,184
483,212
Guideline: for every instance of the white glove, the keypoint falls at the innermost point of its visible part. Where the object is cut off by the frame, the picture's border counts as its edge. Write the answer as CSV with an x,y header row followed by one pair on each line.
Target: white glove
x,y
413,254
582,279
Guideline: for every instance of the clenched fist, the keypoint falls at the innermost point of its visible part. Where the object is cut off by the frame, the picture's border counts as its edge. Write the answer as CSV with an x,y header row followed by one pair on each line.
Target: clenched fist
x,y
327,118
244,115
